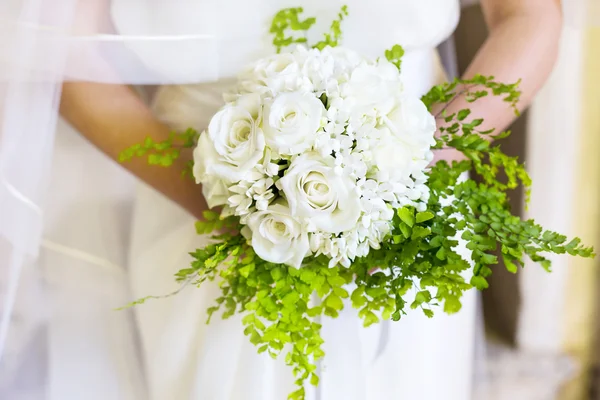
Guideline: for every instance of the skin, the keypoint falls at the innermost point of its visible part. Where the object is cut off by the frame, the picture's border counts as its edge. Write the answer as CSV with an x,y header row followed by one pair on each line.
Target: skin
x,y
523,44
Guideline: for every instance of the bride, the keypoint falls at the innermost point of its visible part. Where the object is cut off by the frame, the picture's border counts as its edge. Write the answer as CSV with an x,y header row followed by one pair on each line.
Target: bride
x,y
105,243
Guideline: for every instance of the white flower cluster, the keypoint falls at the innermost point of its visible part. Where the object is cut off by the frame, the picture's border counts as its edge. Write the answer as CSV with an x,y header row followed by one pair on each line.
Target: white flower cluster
x,y
314,151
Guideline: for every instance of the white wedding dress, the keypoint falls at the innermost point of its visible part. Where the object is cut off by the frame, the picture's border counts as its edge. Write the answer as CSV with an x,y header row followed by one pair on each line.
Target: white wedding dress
x,y
416,358
124,245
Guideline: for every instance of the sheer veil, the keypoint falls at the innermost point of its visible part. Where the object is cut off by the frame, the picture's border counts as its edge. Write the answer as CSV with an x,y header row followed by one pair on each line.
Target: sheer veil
x,y
25,153
44,43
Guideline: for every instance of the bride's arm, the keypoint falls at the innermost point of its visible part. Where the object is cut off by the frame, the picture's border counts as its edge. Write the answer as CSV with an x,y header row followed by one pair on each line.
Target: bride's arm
x,y
113,117
522,44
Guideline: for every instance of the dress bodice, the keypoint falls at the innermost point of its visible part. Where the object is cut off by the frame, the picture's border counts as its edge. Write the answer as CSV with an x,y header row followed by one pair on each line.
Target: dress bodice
x,y
228,34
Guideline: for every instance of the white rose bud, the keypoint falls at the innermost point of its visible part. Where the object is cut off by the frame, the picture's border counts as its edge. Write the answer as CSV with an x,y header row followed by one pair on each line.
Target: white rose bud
x,y
237,139
410,121
315,192
278,73
291,122
214,188
345,58
404,147
373,87
277,237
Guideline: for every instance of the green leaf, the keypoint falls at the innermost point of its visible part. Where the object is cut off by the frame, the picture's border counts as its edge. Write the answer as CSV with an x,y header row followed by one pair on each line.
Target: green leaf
x,y
419,232
424,216
290,299
407,216
510,266
452,305
333,301
423,297
203,227
358,297
246,270
307,275
462,114
370,319
376,291
336,281
210,215
342,293
314,380
333,37
277,273
315,311
479,282
406,231
394,55
288,20
441,254
262,349
154,159
489,259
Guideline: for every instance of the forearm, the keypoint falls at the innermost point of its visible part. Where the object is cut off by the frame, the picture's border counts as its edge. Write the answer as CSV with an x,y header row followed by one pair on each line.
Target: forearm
x,y
113,117
521,46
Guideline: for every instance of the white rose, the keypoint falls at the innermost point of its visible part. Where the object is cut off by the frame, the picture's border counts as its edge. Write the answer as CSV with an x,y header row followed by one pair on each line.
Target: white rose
x,y
291,122
393,159
237,139
214,188
345,59
407,136
373,86
278,73
410,121
276,65
277,237
315,192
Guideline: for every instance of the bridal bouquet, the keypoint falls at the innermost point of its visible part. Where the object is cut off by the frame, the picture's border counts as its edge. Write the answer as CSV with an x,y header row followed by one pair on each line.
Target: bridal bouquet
x,y
314,152
320,160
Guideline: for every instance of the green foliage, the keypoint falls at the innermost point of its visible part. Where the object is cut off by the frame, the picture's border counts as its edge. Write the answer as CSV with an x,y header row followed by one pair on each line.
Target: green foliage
x,y
288,28
212,222
288,20
276,300
456,132
394,55
472,89
484,216
334,36
162,153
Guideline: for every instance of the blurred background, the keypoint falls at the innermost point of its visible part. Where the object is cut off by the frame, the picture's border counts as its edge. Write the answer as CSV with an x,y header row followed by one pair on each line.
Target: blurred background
x,y
542,329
